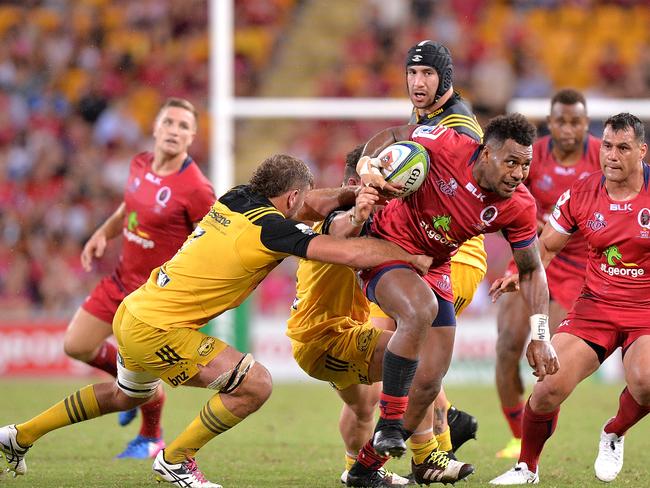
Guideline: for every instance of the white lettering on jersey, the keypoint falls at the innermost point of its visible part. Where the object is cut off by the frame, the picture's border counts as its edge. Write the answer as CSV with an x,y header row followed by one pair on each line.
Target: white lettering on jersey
x,y
474,191
620,207
152,178
305,229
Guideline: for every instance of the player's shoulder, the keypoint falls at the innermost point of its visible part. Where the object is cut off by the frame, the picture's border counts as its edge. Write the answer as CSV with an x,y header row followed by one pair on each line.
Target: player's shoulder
x,y
523,198
457,115
542,145
254,207
142,159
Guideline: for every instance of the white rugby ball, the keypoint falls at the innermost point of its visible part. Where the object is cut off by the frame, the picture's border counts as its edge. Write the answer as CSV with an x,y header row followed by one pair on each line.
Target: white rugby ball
x,y
406,163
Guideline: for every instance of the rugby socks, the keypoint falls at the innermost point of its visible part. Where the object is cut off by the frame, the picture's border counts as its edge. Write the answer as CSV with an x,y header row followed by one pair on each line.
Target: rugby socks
x,y
368,460
106,359
151,413
514,416
421,450
397,378
350,459
536,429
444,440
78,407
629,413
213,420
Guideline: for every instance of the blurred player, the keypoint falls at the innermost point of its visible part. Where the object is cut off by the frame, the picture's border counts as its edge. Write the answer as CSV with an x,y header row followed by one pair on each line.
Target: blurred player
x,y
333,339
165,196
612,210
429,73
471,189
246,234
569,153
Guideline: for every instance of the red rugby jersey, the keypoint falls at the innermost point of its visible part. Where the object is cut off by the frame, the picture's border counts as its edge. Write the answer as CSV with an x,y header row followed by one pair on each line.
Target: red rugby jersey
x,y
160,212
548,179
449,207
618,234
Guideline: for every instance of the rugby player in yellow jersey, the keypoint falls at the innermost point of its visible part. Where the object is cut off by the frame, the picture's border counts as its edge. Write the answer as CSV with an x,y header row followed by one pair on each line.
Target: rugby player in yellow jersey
x,y
333,340
429,73
246,234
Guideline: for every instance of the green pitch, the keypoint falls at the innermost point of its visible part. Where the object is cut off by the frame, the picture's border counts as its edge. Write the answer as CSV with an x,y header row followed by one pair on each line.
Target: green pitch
x,y
293,440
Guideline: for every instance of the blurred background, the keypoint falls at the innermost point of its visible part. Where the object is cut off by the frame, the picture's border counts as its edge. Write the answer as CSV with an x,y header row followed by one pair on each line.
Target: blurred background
x,y
81,81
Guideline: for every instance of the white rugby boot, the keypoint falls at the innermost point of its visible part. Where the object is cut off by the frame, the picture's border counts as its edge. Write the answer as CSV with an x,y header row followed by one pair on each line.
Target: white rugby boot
x,y
610,456
184,475
519,475
13,452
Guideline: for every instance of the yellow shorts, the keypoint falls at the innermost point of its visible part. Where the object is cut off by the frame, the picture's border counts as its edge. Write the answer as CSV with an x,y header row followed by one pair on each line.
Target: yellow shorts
x,y
341,355
171,355
464,282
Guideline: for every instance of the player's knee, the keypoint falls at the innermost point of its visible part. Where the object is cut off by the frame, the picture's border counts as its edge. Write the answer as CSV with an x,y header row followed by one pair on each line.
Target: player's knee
x,y
363,411
416,318
508,347
258,386
639,387
121,401
547,397
78,349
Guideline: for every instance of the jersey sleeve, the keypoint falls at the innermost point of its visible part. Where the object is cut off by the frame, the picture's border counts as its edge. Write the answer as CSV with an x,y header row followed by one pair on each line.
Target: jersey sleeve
x,y
286,236
562,219
201,200
521,232
431,137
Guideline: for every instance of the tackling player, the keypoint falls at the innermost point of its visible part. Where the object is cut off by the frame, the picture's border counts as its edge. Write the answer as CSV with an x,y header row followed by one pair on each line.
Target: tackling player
x,y
612,210
166,195
246,234
569,153
471,189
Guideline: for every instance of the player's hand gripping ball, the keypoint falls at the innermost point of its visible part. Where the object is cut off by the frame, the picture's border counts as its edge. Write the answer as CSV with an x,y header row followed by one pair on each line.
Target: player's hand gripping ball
x,y
405,163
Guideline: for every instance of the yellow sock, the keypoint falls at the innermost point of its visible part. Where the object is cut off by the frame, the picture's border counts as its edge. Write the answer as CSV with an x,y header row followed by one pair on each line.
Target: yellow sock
x,y
444,440
78,407
213,420
349,461
421,450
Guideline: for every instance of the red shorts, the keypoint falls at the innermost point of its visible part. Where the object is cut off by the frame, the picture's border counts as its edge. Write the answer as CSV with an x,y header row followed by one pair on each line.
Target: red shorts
x,y
565,281
105,298
608,325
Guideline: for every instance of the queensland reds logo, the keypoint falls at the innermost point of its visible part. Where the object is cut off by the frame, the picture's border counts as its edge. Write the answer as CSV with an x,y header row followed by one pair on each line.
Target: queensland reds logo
x,y
643,218
449,188
598,222
163,196
489,214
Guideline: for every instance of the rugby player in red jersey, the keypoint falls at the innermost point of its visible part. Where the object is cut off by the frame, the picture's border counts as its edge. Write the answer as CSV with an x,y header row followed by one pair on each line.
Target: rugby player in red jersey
x,y
166,195
569,153
471,189
612,210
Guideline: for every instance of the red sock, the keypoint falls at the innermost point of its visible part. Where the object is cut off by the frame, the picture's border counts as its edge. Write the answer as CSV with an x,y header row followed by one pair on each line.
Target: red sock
x,y
513,416
369,458
106,359
536,429
392,407
151,413
629,413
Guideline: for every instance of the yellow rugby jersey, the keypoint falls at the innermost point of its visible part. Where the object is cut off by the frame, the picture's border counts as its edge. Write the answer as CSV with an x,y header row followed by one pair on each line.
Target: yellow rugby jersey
x,y
230,252
325,294
456,115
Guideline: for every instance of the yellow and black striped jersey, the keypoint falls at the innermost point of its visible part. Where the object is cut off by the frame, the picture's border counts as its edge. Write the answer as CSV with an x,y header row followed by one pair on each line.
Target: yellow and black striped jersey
x,y
325,293
241,239
456,115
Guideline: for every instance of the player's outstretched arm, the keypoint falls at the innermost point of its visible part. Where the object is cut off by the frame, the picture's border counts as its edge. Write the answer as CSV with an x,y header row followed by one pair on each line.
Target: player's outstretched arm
x,y
350,223
362,252
96,245
321,201
534,289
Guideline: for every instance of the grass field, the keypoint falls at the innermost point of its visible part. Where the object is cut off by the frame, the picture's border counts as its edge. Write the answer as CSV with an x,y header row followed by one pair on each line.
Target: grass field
x,y
293,441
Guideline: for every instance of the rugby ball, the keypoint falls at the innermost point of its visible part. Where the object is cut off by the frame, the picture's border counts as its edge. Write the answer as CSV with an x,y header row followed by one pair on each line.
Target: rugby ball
x,y
406,163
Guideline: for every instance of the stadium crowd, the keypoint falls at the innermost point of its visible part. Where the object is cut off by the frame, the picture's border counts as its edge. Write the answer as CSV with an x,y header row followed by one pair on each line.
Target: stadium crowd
x,y
81,81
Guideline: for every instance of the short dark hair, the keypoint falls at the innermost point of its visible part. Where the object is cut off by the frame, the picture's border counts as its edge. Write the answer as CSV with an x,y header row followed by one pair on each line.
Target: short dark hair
x,y
180,103
512,126
626,120
279,174
351,160
568,96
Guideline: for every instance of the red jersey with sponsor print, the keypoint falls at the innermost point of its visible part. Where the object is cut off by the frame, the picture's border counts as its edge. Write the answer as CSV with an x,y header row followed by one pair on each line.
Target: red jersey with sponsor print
x,y
449,207
160,214
548,179
618,234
